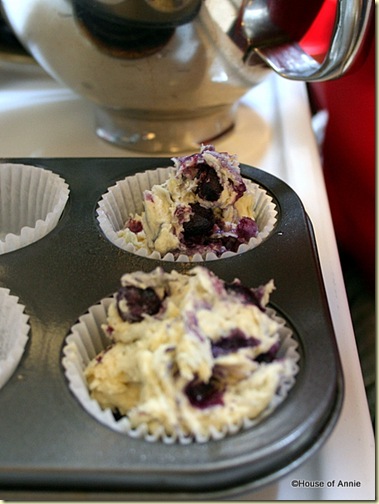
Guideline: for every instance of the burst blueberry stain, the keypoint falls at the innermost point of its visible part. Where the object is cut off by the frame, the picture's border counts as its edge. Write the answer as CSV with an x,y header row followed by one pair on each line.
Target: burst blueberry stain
x,y
269,356
138,301
232,343
240,189
109,330
230,243
99,357
246,295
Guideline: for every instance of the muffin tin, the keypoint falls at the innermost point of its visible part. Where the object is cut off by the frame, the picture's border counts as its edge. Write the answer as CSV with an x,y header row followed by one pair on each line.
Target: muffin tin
x,y
50,446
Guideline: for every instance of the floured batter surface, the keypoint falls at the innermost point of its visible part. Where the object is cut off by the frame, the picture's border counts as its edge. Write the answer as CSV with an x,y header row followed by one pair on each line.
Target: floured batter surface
x,y
189,353
204,206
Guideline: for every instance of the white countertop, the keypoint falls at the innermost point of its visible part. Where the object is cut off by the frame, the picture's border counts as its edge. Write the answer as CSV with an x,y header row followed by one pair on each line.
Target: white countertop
x,y
41,118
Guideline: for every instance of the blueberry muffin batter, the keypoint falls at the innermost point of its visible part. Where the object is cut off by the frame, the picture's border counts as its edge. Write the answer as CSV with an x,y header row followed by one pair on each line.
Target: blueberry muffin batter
x,y
189,353
204,206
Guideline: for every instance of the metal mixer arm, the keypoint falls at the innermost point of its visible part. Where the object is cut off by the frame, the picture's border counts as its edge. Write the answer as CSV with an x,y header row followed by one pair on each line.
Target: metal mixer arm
x,y
288,59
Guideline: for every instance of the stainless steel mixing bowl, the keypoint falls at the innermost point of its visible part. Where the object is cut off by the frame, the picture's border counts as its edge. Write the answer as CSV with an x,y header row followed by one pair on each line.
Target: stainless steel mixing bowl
x,y
166,75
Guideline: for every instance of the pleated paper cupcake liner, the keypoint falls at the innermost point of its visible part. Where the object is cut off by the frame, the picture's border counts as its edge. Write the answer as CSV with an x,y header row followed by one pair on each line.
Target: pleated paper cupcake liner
x,y
125,198
14,329
32,200
87,339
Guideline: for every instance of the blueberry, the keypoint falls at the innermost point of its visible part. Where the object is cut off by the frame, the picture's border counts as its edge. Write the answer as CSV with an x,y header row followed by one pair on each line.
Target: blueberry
x,y
134,225
203,395
240,189
117,415
139,302
246,229
209,187
200,224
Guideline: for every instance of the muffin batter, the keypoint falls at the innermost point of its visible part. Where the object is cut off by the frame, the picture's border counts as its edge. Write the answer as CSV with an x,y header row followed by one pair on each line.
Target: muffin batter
x,y
204,206
189,353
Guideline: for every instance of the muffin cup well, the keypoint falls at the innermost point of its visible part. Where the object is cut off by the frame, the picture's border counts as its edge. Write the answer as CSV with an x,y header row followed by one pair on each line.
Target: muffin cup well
x,y
125,198
32,200
87,339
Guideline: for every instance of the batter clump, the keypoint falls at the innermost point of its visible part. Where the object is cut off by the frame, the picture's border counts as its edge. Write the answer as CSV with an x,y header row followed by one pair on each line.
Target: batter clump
x,y
189,353
204,206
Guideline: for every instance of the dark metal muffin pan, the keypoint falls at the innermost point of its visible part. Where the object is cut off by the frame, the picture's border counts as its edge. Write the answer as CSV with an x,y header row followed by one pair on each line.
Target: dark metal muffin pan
x,y
51,447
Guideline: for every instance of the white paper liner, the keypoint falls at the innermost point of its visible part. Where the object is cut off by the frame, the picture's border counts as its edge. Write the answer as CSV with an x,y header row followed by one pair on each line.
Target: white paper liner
x,y
125,198
14,330
32,200
87,339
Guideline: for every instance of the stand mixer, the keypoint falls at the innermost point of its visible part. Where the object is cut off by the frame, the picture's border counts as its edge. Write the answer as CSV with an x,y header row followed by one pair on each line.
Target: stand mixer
x,y
167,75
